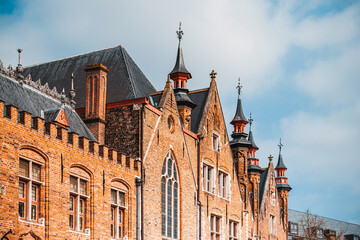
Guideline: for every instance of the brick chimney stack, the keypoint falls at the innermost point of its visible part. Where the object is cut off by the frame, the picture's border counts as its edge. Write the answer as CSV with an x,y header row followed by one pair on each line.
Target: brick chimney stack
x,y
95,108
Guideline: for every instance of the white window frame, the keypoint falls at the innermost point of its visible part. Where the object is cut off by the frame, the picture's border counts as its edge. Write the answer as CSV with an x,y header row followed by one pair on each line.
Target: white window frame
x,y
29,182
77,198
117,206
220,182
234,234
216,143
205,173
213,232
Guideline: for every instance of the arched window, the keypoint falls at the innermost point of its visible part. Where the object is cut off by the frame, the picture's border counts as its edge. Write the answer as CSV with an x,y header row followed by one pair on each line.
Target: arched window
x,y
169,198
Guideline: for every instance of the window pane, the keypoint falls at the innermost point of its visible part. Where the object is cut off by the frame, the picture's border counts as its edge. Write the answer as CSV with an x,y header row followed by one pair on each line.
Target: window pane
x,y
83,187
81,208
122,199
120,232
169,209
120,216
113,196
169,167
73,184
112,230
112,214
24,168
22,209
21,190
71,204
81,223
175,172
33,212
163,207
36,172
71,221
175,210
34,193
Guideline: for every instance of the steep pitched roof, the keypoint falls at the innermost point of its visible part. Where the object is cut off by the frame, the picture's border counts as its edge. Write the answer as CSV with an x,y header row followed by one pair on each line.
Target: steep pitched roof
x,y
199,97
263,178
251,140
239,114
35,102
280,163
125,79
180,65
337,225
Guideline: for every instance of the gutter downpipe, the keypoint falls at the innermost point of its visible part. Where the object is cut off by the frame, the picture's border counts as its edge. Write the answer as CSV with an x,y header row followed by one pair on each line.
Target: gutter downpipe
x,y
198,184
142,172
138,183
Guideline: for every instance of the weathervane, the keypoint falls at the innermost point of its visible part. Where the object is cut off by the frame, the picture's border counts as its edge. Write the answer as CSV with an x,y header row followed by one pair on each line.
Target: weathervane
x,y
239,87
280,145
180,33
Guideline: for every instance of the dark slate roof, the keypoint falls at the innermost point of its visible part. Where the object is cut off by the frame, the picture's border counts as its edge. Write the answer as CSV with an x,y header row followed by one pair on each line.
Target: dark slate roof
x,y
182,98
280,163
35,102
262,183
199,98
337,225
239,115
155,99
51,114
180,65
251,140
125,79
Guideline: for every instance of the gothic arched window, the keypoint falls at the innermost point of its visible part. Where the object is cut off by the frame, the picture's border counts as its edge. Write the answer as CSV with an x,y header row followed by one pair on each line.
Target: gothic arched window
x,y
169,198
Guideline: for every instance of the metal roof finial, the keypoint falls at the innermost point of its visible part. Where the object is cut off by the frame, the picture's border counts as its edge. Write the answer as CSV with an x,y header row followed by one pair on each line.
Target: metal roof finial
x,y
213,75
72,93
63,96
250,121
179,33
239,87
19,68
271,157
280,146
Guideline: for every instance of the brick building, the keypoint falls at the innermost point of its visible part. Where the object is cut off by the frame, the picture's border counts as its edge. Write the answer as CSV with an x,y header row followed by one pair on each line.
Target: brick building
x,y
116,159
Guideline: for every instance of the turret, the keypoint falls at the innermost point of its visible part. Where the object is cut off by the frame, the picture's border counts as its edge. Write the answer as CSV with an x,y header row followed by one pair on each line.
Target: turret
x,y
180,75
282,186
253,162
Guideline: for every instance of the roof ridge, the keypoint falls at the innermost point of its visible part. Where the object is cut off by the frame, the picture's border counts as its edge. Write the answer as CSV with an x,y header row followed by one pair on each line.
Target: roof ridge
x,y
128,72
326,217
60,59
198,90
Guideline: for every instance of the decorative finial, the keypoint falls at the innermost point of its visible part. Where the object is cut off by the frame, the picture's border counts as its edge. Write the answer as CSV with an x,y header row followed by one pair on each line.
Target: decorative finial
x,y
271,158
250,121
19,68
280,146
239,87
63,96
72,93
213,75
180,33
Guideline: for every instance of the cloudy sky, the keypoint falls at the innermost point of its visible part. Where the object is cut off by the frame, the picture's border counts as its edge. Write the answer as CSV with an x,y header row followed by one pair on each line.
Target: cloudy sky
x,y
299,63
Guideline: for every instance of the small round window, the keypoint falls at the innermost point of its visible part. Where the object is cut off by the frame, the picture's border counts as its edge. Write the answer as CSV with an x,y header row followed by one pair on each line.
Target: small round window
x,y
171,124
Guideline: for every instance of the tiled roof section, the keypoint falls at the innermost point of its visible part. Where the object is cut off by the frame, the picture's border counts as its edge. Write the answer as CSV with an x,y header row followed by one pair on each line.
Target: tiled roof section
x,y
337,225
239,114
199,98
125,79
280,163
35,102
263,177
251,140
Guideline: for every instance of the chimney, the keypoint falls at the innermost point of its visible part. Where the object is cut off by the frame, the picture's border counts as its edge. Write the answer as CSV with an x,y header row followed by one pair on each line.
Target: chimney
x,y
95,108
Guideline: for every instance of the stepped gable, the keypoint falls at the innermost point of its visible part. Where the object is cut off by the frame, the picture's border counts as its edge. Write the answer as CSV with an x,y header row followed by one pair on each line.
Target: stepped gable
x,y
36,101
125,79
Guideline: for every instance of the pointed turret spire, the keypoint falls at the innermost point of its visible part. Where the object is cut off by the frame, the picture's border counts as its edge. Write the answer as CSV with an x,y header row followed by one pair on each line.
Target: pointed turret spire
x,y
180,74
251,137
239,114
280,164
253,162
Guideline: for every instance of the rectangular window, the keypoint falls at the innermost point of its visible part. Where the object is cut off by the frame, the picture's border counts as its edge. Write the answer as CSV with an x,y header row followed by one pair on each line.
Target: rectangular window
x,y
294,228
223,184
215,227
216,142
122,199
272,224
22,210
117,213
77,209
233,230
113,196
207,178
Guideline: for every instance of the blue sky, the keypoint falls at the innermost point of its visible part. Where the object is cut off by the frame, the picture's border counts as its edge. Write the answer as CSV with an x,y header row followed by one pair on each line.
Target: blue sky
x,y
299,63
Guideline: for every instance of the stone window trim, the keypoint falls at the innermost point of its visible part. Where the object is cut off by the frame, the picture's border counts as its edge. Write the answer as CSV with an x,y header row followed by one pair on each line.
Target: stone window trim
x,y
272,224
78,204
216,141
206,168
234,230
170,198
30,190
215,221
223,187
117,213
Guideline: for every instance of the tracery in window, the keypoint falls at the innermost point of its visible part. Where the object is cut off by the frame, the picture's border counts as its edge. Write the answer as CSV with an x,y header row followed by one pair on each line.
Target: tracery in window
x,y
169,198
